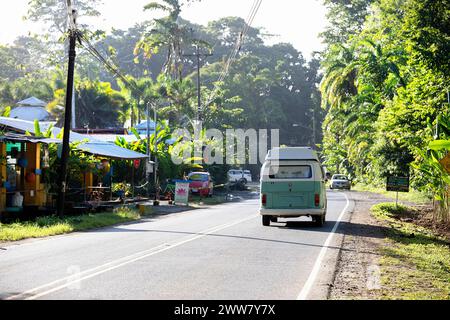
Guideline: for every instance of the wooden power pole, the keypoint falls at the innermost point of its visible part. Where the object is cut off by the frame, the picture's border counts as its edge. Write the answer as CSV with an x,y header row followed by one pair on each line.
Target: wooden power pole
x,y
198,55
62,176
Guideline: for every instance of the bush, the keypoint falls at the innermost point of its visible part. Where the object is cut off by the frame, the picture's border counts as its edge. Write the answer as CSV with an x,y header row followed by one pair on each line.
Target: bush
x,y
390,209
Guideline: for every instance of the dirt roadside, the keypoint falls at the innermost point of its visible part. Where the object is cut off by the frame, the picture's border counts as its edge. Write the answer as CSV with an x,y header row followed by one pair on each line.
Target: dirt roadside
x,y
357,272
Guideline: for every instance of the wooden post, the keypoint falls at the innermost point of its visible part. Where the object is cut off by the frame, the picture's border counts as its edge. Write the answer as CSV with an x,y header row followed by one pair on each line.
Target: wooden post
x,y
4,177
396,200
132,178
35,193
110,179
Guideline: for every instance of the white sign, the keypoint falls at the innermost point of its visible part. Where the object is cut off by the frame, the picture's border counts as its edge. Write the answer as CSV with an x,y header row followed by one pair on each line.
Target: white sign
x,y
182,192
149,167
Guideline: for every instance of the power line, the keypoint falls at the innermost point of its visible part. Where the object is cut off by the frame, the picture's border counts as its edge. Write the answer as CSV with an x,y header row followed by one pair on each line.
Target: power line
x,y
237,48
240,39
110,66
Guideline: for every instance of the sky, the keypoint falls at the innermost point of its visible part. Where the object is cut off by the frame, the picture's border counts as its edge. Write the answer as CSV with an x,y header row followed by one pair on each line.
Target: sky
x,y
295,21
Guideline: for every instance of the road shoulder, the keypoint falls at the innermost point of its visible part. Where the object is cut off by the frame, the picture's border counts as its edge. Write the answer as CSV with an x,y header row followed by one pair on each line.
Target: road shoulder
x,y
329,264
357,273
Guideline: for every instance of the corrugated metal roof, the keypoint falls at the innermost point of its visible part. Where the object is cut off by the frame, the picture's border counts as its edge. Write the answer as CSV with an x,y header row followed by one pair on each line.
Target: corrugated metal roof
x,y
32,101
23,138
30,113
91,145
143,125
112,137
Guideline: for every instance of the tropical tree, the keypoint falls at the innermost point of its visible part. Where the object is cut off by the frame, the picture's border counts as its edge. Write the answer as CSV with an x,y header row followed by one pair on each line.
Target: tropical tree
x,y
54,14
167,33
339,81
138,93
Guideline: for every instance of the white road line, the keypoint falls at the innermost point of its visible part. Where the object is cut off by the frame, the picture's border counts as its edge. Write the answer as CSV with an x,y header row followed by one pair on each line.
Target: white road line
x,y
33,294
318,264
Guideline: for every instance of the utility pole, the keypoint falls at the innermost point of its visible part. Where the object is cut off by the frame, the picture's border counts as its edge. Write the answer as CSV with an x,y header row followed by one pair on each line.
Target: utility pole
x,y
314,127
155,157
74,124
62,176
148,150
198,55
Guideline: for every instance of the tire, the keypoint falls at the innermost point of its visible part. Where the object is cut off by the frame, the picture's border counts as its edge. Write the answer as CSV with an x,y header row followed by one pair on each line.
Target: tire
x,y
266,221
319,221
273,219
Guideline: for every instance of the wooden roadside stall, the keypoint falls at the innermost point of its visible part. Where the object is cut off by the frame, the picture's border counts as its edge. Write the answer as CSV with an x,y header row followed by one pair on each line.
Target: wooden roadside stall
x,y
21,173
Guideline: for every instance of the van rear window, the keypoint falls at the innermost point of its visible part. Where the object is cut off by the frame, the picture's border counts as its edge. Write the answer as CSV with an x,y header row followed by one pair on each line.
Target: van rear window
x,y
290,172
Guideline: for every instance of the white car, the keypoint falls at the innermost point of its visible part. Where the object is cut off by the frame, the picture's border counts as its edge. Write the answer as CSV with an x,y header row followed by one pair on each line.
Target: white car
x,y
340,181
236,175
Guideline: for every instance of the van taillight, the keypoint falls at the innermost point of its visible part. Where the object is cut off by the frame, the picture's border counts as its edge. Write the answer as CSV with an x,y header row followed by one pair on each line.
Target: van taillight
x,y
264,200
316,199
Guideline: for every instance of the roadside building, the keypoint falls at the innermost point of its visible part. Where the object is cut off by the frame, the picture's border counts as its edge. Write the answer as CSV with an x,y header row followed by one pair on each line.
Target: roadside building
x,y
25,162
31,109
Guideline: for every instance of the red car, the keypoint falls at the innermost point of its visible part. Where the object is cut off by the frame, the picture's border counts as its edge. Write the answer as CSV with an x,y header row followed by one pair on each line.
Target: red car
x,y
201,183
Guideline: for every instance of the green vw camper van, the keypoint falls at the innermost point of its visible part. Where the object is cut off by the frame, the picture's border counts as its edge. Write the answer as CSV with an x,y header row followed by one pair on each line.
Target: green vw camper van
x,y
292,185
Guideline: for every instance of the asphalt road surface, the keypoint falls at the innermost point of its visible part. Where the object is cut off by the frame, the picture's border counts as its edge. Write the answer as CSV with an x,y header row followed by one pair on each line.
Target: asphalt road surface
x,y
219,253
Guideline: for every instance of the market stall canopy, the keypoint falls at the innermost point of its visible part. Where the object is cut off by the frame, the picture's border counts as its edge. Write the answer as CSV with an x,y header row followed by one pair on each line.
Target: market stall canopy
x,y
13,137
87,143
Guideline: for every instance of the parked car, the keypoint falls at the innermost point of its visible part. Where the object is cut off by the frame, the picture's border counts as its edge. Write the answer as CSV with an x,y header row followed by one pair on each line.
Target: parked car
x,y
292,185
201,183
238,175
340,181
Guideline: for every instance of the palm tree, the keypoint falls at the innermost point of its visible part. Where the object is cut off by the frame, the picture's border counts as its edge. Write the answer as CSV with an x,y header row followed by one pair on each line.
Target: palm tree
x,y
137,92
98,105
339,81
167,33
178,95
379,65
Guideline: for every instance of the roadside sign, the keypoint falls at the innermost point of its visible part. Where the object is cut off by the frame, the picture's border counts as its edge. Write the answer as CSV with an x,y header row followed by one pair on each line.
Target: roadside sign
x,y
445,162
399,184
149,167
182,192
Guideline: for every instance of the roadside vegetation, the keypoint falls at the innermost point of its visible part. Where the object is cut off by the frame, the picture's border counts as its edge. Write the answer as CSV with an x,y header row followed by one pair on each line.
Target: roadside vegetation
x,y
415,262
49,226
413,196
385,90
266,86
52,225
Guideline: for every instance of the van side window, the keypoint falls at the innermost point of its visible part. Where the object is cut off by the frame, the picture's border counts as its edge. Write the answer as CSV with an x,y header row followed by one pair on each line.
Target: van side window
x,y
290,172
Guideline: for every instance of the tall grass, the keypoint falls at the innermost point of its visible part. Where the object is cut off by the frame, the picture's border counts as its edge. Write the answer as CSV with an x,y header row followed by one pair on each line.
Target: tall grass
x,y
415,263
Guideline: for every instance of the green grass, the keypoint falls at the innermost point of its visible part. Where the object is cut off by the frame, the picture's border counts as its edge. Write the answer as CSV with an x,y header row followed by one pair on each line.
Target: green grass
x,y
413,196
198,201
49,226
415,264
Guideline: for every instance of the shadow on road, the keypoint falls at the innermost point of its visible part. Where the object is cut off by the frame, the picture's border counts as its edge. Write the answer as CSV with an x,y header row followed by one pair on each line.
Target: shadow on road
x,y
344,228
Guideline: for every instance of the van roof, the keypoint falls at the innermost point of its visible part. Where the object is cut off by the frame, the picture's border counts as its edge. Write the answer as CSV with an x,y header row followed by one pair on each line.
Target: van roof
x,y
292,153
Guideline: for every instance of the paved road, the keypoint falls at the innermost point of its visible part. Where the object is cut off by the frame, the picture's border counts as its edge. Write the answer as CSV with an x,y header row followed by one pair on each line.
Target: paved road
x,y
218,253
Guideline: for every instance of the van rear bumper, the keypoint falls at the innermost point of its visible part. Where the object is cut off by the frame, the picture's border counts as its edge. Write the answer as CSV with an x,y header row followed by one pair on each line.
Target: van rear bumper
x,y
292,212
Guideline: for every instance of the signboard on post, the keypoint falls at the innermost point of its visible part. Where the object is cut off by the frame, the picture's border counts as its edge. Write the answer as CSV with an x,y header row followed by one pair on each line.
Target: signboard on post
x,y
398,184
182,192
